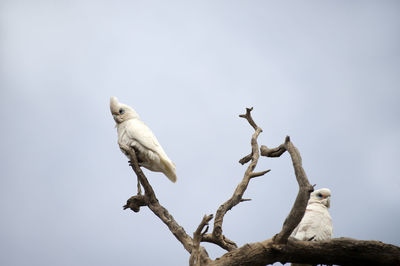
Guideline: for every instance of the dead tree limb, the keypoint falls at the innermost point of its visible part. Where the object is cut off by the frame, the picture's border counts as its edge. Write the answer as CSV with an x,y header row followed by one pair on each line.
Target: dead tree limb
x,y
150,200
305,188
216,236
339,251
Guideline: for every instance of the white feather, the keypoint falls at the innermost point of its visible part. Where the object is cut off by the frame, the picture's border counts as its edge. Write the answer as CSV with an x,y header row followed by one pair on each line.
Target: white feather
x,y
134,133
316,224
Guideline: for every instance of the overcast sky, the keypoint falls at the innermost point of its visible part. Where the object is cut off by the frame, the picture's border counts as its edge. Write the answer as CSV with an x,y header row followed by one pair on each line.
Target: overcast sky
x,y
327,73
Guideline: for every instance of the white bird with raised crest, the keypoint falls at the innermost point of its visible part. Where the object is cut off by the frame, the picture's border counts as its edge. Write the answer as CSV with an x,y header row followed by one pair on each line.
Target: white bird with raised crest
x,y
316,224
133,133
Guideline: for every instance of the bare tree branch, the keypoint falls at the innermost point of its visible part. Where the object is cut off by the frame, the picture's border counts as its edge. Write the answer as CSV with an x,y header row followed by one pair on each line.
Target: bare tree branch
x,y
217,237
305,188
134,203
280,248
340,251
256,174
195,258
150,200
275,152
246,159
248,117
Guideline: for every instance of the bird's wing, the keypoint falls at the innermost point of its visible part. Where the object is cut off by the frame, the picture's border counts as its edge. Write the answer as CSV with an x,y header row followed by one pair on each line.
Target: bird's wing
x,y
315,225
304,230
138,131
325,229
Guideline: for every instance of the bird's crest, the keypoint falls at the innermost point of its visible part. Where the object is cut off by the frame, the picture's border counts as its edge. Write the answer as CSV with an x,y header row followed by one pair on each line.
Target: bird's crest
x,y
121,112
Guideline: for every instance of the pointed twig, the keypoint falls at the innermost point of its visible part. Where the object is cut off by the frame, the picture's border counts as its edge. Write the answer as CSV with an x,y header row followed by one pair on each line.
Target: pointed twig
x,y
256,174
243,200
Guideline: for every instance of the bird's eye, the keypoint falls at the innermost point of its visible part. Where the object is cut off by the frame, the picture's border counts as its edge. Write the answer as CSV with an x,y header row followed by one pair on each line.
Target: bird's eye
x,y
319,195
121,111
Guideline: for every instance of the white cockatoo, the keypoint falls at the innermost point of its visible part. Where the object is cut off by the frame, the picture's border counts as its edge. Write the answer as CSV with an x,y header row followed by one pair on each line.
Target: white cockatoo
x,y
316,224
135,134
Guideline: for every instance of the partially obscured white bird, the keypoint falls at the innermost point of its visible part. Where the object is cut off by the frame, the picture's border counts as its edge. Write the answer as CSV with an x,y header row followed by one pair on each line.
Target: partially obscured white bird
x,y
135,134
316,224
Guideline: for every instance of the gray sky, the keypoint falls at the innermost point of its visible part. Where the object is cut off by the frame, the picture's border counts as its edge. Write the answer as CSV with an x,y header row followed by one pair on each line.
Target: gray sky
x,y
325,73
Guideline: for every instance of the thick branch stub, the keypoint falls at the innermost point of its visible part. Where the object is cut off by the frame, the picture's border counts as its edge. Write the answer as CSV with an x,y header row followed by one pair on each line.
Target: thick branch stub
x,y
246,159
274,152
134,203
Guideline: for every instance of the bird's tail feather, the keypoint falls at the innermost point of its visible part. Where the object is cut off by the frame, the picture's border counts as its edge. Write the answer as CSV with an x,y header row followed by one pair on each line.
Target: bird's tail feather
x,y
169,170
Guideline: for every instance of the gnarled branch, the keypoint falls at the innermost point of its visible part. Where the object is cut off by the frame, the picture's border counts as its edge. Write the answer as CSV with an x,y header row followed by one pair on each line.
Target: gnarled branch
x,y
195,257
340,251
305,188
280,248
149,199
217,237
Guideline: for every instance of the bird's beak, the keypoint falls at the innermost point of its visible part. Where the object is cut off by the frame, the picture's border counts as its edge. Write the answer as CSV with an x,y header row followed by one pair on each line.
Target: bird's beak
x,y
328,201
115,119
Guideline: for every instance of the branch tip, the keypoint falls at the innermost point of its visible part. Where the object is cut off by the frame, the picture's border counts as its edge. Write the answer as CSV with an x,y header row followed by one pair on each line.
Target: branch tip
x,y
256,174
243,200
248,117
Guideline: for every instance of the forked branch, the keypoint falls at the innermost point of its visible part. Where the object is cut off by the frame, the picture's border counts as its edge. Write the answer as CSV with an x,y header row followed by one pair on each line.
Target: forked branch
x,y
195,257
216,236
149,199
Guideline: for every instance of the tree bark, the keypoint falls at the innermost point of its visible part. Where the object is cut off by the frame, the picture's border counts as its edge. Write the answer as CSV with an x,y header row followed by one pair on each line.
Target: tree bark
x,y
339,251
